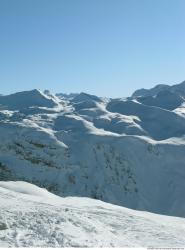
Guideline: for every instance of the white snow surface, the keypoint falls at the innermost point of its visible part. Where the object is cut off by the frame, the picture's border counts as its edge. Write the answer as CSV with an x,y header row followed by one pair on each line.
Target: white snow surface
x,y
33,217
121,151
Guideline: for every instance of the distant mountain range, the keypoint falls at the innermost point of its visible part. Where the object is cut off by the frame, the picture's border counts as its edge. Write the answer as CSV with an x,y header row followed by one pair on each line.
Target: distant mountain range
x,y
126,151
177,88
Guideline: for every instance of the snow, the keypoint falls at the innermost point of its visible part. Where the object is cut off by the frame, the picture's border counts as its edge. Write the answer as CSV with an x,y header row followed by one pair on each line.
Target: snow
x,y
128,152
26,188
117,150
26,99
177,88
158,123
32,217
164,99
86,97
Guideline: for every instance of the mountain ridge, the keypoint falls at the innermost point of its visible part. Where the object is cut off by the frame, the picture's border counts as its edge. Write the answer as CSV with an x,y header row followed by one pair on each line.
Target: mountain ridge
x,y
120,151
160,87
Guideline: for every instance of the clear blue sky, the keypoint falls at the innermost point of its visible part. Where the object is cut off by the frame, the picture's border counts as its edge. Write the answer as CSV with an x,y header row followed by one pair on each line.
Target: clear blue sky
x,y
103,47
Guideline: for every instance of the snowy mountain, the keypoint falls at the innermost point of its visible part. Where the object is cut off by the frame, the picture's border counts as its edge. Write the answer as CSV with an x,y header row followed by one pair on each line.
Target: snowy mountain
x,y
127,151
66,96
33,217
177,88
26,99
150,92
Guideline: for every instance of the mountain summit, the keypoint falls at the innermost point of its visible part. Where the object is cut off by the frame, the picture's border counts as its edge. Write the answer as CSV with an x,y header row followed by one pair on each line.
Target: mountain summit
x,y
26,99
178,88
128,152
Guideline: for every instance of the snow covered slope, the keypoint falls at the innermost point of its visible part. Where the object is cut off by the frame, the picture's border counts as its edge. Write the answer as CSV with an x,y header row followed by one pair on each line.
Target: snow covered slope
x,y
120,151
26,99
177,88
164,96
33,217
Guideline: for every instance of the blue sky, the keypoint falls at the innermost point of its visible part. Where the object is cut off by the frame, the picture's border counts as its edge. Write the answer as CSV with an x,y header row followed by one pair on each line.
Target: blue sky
x,y
103,47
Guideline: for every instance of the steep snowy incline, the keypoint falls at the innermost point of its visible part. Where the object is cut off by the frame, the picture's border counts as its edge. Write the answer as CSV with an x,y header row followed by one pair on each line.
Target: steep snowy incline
x,y
150,92
116,150
160,124
26,99
81,150
132,171
177,88
32,217
164,99
164,96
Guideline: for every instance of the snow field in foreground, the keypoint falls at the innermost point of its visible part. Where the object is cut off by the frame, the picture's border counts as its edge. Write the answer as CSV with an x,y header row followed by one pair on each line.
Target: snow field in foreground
x,y
33,217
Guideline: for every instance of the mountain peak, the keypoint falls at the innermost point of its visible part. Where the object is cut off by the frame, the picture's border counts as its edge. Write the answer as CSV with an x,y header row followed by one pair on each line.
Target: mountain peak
x,y
86,97
177,88
150,92
26,99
